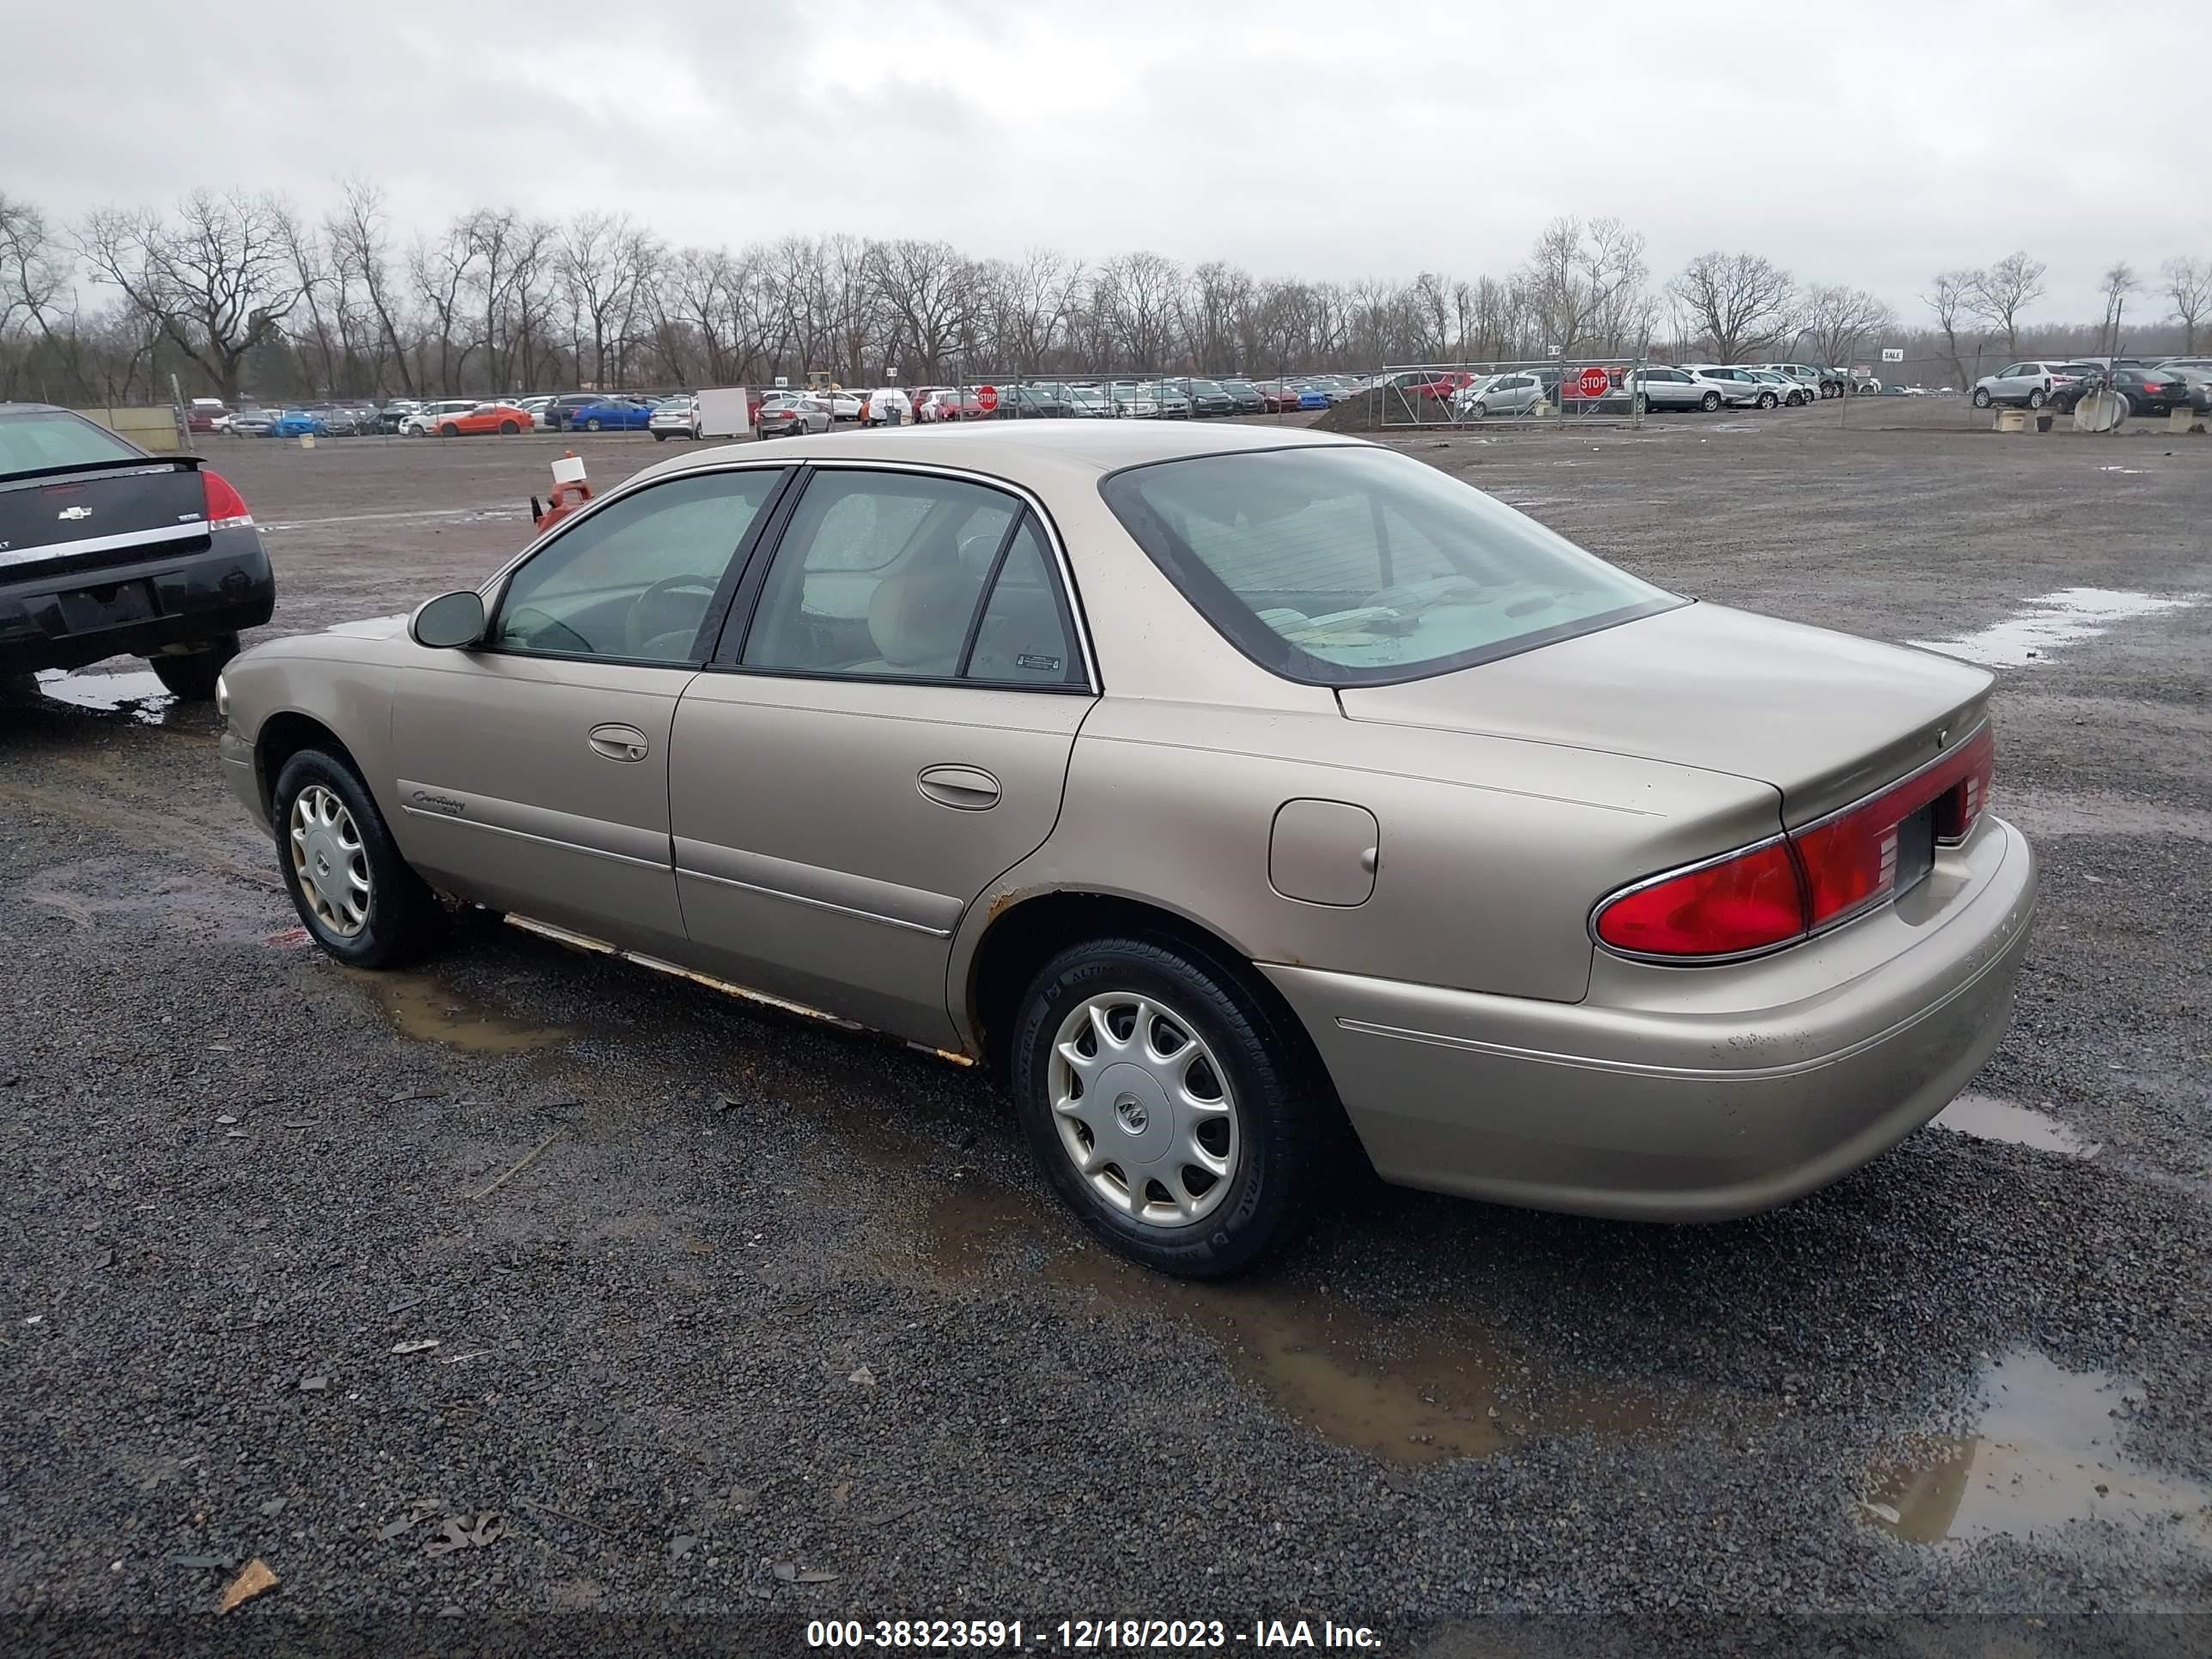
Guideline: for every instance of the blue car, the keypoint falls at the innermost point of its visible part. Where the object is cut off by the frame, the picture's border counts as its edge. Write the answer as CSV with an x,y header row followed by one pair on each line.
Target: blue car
x,y
612,414
1312,398
299,423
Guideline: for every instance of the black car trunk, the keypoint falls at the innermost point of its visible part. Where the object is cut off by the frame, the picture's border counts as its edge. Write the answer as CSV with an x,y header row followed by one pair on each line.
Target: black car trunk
x,y
85,517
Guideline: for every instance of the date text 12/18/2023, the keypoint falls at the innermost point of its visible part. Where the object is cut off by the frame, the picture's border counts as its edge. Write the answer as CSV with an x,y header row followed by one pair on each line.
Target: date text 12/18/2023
x,y
1085,1635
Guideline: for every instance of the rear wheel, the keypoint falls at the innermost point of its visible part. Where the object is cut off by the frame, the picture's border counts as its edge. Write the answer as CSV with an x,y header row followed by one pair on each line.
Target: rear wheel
x,y
1166,1105
661,437
1640,404
449,432
592,425
1709,401
508,429
358,896
1766,400
190,676
2037,398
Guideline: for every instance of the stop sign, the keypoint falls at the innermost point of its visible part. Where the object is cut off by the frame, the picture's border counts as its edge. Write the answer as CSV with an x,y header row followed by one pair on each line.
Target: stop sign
x,y
988,397
1594,382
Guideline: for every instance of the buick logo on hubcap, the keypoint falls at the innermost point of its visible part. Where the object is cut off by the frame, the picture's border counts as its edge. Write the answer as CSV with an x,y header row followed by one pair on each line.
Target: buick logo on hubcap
x,y
1131,1110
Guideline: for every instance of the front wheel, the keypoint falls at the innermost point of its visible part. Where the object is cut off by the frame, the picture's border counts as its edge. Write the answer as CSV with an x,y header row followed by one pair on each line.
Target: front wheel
x,y
1167,1105
360,899
1709,401
592,425
1640,404
1981,397
190,676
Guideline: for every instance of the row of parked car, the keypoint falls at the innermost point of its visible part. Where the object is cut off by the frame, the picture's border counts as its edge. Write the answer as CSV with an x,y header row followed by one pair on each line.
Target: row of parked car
x,y
2147,388
1708,386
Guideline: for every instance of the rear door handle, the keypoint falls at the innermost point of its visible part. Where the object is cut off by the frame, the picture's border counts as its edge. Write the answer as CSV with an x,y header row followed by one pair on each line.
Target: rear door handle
x,y
964,788
617,742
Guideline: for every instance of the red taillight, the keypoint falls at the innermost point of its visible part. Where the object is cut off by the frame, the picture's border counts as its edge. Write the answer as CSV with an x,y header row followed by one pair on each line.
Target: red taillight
x,y
1784,890
1748,902
1959,808
226,508
2153,386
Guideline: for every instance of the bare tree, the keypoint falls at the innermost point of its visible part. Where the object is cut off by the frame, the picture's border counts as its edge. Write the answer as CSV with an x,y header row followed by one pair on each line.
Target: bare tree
x,y
2007,289
1734,303
35,295
219,281
1952,301
2188,285
1837,318
361,253
601,257
1135,295
439,272
926,296
2118,282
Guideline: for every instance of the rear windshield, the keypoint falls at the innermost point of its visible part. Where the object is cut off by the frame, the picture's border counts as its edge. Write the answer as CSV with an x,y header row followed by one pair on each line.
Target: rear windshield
x,y
1358,566
33,439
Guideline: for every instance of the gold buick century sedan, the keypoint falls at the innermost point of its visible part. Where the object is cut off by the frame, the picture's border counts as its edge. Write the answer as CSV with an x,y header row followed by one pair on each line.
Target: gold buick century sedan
x,y
1237,796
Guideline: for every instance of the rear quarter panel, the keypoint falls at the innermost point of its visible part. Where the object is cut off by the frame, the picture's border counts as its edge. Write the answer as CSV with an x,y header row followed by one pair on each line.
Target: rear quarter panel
x,y
1491,851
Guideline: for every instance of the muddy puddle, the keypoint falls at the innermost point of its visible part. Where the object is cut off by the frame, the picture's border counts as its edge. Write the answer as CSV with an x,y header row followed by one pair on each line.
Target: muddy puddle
x,y
140,695
2049,1450
418,1006
1985,1117
1405,1395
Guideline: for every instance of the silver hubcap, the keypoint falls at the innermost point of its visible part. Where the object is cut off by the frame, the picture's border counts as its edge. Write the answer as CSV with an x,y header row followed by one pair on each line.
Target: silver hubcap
x,y
1144,1109
329,861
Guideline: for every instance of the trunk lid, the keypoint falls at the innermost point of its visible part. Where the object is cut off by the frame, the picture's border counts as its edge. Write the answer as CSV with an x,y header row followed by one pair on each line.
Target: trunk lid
x,y
87,517
1825,718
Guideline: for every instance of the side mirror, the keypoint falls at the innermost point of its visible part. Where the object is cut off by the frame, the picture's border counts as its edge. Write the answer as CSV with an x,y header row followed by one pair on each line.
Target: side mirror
x,y
448,622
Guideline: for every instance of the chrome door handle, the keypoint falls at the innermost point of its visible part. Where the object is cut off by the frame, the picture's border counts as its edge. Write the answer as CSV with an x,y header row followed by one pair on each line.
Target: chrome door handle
x,y
964,788
620,743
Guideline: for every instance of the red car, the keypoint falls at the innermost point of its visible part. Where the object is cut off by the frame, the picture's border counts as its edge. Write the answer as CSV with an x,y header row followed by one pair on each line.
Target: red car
x,y
503,418
951,404
202,416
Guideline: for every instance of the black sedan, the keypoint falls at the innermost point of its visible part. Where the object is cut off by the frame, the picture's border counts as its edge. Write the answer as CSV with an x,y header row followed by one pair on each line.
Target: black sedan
x,y
2152,392
106,550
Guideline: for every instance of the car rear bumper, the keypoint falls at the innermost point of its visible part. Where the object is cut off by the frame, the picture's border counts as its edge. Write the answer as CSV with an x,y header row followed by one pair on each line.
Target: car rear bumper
x,y
67,618
1680,1115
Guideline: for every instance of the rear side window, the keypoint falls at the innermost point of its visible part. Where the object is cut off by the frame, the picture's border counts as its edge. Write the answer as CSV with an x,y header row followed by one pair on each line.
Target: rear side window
x,y
895,576
35,439
1355,565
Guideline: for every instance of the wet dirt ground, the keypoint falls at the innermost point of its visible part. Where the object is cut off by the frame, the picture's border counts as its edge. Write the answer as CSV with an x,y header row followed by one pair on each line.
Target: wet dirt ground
x,y
740,1318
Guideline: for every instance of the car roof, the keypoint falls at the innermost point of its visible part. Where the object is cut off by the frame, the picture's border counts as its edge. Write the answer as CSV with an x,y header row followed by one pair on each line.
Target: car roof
x,y
1025,452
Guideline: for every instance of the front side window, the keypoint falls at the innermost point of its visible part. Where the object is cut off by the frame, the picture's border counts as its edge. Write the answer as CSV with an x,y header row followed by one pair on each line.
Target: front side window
x,y
634,580
881,574
1354,566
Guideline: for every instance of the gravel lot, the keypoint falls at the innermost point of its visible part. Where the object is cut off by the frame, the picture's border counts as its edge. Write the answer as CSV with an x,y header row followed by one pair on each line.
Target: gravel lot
x,y
739,1319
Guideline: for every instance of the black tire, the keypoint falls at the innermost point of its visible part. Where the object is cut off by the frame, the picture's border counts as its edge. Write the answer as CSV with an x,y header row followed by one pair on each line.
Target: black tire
x,y
1709,401
592,425
508,429
1281,1124
449,432
404,918
1981,397
191,678
1767,400
661,437
2037,398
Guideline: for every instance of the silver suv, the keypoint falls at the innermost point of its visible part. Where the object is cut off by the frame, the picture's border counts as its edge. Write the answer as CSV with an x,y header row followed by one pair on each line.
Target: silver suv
x,y
2027,382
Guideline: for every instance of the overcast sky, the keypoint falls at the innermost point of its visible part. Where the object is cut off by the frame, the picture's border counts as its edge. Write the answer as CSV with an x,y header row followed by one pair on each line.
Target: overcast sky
x,y
1859,143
